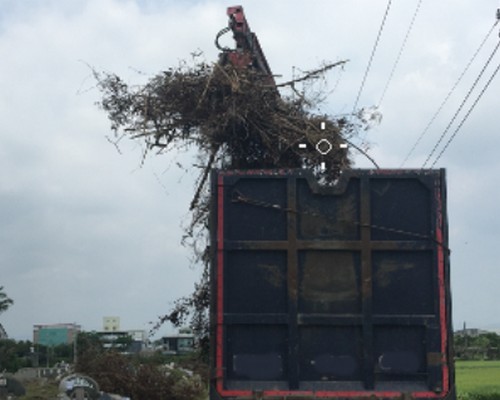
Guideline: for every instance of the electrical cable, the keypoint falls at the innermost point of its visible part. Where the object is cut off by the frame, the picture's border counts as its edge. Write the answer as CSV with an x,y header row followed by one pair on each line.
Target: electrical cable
x,y
443,103
400,53
362,152
466,116
461,105
371,56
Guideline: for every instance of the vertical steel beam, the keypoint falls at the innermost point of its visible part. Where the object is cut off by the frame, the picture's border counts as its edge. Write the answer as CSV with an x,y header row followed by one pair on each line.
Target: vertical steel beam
x,y
367,284
293,285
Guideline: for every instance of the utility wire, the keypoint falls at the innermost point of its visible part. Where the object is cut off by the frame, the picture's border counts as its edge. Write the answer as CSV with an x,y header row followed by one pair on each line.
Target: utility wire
x,y
371,56
400,53
443,103
466,116
362,152
461,105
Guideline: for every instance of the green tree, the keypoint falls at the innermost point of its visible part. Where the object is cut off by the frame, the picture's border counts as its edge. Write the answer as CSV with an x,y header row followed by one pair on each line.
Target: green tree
x,y
493,338
14,355
5,301
63,352
89,347
480,346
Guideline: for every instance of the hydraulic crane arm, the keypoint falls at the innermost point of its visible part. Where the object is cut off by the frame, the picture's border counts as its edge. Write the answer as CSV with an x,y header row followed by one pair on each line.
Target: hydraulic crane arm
x,y
248,53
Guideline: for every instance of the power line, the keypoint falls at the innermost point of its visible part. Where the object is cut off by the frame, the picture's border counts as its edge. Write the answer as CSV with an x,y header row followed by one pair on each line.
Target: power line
x,y
400,52
466,115
362,152
371,56
461,105
443,103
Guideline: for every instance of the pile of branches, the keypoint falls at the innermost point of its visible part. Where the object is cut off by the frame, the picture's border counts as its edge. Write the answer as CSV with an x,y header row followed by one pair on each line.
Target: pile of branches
x,y
236,118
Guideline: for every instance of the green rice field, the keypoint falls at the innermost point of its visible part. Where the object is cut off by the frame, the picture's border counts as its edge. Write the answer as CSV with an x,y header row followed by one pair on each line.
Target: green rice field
x,y
478,380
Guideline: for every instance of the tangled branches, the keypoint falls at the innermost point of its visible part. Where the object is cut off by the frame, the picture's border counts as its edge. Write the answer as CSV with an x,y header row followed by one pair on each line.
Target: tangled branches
x,y
236,118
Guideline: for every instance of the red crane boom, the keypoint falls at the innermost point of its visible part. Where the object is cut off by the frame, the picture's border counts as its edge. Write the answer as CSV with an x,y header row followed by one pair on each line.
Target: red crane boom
x,y
248,53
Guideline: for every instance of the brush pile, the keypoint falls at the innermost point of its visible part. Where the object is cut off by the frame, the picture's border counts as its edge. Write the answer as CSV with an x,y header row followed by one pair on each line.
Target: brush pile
x,y
236,118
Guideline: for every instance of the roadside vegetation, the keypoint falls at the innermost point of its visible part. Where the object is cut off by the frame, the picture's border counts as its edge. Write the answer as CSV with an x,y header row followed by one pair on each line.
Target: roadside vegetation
x,y
149,375
478,380
37,390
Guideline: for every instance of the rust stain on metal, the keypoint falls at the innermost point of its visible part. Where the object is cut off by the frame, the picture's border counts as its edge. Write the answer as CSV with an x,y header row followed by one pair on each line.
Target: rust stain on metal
x,y
273,274
386,270
435,359
328,279
314,222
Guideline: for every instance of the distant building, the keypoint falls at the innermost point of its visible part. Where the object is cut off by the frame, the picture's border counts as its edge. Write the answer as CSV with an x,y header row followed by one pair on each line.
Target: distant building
x,y
131,341
111,324
3,334
181,343
55,334
471,332
125,341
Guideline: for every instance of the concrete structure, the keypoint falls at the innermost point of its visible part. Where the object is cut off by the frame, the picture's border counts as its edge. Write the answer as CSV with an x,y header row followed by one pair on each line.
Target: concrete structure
x,y
112,336
111,324
55,334
118,340
471,332
56,372
181,343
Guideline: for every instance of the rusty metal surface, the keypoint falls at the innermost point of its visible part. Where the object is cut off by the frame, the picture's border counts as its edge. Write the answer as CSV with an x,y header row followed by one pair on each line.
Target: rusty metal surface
x,y
331,289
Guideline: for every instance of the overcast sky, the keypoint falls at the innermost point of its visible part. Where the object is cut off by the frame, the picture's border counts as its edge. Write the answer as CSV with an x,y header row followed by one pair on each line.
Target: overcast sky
x,y
88,232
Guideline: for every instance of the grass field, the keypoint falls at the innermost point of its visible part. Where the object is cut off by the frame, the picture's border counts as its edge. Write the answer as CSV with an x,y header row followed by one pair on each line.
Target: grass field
x,y
478,377
37,391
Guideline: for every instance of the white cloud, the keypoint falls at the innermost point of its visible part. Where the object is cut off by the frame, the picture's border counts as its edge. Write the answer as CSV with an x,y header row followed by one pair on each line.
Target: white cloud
x,y
86,232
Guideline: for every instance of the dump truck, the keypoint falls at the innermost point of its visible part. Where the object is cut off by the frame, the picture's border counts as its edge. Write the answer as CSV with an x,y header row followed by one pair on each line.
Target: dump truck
x,y
334,291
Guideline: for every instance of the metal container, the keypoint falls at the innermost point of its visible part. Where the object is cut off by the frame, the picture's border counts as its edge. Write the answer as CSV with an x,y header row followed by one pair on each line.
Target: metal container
x,y
330,291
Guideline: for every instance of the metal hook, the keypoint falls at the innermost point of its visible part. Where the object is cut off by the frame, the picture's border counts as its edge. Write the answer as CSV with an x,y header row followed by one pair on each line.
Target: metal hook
x,y
222,32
